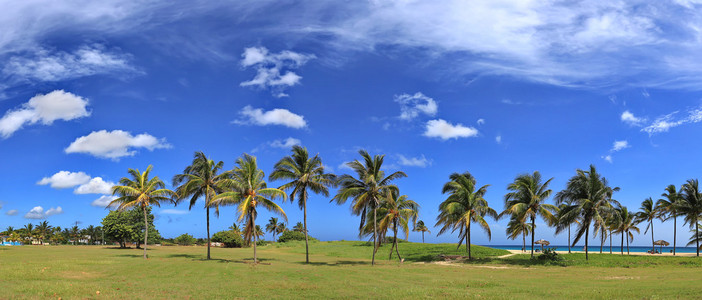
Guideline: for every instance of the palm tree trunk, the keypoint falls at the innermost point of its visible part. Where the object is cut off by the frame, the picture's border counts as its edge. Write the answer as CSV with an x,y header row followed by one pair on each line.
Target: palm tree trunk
x,y
627,242
622,244
533,231
253,226
697,236
523,241
652,242
602,237
395,241
568,238
675,229
610,241
375,234
146,230
208,230
422,237
587,236
468,240
307,243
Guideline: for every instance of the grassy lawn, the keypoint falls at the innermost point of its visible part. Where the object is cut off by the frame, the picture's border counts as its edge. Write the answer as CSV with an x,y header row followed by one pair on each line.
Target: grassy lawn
x,y
339,270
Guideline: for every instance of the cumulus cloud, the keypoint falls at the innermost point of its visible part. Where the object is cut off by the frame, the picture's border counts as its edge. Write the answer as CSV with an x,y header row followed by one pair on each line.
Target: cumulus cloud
x,y
273,70
95,186
12,212
278,116
65,179
421,161
103,201
170,211
286,143
115,144
445,130
413,105
629,118
44,109
619,145
38,212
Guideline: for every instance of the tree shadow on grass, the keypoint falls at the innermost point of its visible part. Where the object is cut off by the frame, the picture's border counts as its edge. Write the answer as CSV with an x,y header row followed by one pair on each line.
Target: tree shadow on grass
x,y
336,263
130,255
183,255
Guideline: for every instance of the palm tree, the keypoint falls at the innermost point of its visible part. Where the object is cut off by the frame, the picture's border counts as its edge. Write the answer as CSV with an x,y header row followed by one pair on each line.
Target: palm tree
x,y
420,227
305,174
565,220
627,224
259,233
9,230
235,228
201,178
589,198
612,223
669,208
28,231
141,191
516,227
248,191
43,230
647,213
691,206
398,212
367,190
272,226
465,205
299,227
526,201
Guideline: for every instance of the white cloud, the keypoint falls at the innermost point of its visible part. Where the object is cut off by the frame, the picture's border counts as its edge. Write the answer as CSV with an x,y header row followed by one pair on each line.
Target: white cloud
x,y
12,212
278,116
412,105
44,109
273,69
481,121
664,123
286,143
498,139
115,144
608,158
170,211
65,179
619,145
38,212
103,201
444,130
344,166
629,118
95,186
421,162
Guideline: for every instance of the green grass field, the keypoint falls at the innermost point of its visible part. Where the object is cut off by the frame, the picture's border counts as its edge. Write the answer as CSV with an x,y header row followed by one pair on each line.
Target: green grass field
x,y
338,270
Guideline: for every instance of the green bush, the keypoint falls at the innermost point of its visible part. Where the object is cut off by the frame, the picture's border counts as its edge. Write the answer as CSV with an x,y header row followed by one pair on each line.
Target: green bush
x,y
293,236
262,243
185,240
229,239
549,254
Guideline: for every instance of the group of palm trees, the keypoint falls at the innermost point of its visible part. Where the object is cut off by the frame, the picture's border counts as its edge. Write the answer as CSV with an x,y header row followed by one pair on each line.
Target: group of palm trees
x,y
44,233
274,226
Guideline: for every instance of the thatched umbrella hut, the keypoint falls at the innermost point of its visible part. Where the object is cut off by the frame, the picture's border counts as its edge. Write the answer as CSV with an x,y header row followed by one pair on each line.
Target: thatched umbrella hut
x,y
542,243
661,243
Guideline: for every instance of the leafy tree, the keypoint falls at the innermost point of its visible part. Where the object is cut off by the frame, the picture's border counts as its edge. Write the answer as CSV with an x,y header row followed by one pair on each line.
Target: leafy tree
x,y
367,190
185,240
647,213
141,191
669,207
202,179
526,200
248,191
420,227
124,226
229,238
691,208
305,174
465,205
291,235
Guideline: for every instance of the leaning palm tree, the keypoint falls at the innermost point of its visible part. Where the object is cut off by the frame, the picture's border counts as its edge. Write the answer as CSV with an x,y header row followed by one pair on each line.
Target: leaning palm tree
x,y
248,191
526,200
589,198
420,227
272,226
669,208
627,224
201,179
399,212
305,174
281,228
465,205
691,207
367,190
648,213
141,191
517,227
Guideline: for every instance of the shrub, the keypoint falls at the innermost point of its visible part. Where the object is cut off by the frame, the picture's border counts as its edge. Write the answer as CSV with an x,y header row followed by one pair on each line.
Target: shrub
x,y
293,236
185,240
549,254
262,243
229,239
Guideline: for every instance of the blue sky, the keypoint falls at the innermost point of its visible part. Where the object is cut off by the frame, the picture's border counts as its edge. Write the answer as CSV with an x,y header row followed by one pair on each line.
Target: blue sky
x,y
496,88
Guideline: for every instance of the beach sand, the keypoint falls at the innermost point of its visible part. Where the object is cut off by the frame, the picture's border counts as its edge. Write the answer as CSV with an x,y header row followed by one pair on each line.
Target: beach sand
x,y
613,253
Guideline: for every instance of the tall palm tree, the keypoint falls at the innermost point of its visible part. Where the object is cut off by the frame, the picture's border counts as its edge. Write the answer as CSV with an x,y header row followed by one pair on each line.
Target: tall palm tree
x,y
399,211
647,213
272,226
589,198
517,227
627,224
526,200
305,174
612,223
248,191
691,206
201,178
420,227
465,205
669,208
367,190
141,191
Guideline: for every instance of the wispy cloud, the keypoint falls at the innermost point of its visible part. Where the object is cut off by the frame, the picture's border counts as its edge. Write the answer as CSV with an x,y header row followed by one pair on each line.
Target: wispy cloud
x,y
273,70
420,161
629,118
103,201
170,211
286,143
413,105
619,145
666,122
12,212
